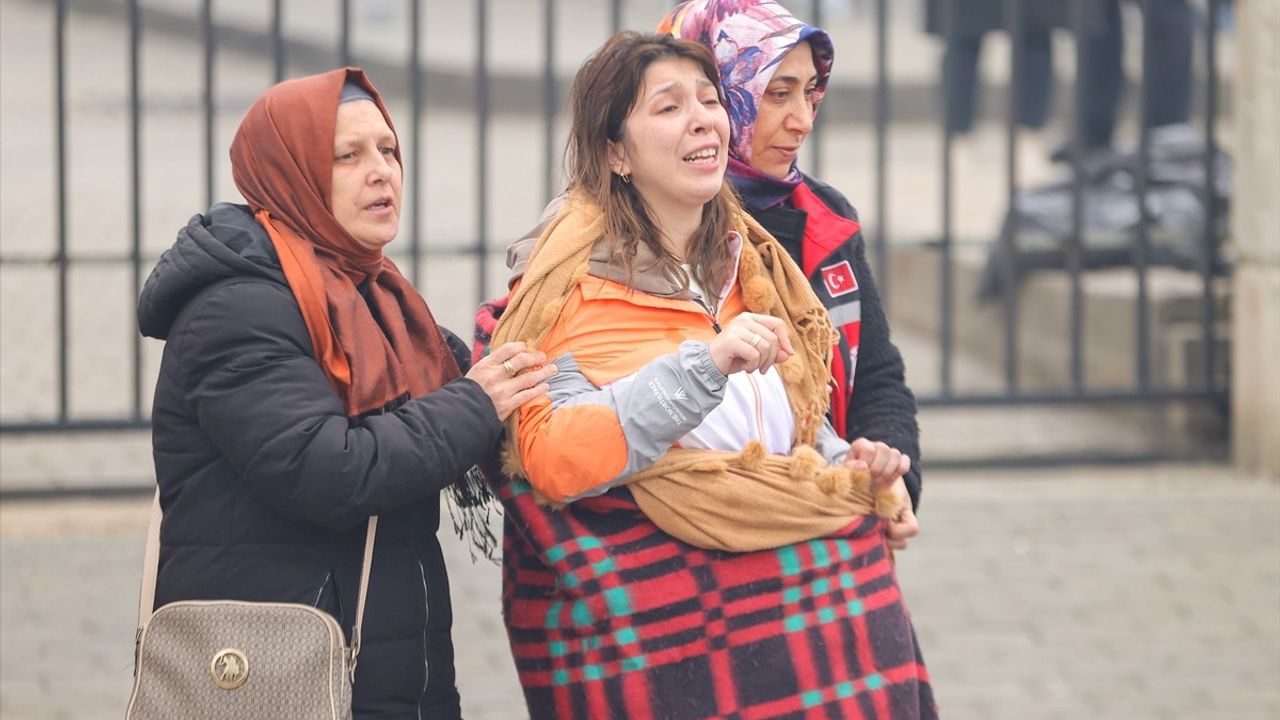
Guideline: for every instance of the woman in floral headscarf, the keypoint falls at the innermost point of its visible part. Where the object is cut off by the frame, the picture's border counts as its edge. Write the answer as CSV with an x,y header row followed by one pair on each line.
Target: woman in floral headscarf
x,y
774,70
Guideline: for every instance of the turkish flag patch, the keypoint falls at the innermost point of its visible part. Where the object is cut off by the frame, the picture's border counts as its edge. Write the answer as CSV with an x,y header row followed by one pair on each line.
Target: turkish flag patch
x,y
839,279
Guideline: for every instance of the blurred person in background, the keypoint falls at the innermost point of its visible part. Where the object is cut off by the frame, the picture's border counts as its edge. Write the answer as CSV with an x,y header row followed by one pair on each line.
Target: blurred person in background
x,y
305,387
964,23
1170,29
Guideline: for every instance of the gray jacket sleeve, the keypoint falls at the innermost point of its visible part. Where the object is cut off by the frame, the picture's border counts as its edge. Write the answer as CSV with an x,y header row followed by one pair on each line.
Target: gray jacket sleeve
x,y
830,445
656,405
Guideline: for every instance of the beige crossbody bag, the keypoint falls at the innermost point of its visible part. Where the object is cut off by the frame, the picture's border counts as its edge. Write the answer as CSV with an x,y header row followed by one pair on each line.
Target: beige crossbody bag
x,y
206,659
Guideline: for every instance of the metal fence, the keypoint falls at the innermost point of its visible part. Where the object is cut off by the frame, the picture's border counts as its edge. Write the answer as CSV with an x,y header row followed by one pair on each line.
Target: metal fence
x,y
1204,385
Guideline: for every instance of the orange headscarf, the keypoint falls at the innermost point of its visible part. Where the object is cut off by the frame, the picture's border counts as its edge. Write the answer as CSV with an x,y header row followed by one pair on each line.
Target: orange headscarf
x,y
282,162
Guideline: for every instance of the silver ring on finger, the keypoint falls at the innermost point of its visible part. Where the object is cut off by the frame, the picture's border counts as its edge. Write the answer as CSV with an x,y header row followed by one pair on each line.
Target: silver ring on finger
x,y
755,341
511,369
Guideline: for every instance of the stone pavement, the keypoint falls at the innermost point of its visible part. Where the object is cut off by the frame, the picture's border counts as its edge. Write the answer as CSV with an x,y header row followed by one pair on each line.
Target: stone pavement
x,y
1139,592
1144,592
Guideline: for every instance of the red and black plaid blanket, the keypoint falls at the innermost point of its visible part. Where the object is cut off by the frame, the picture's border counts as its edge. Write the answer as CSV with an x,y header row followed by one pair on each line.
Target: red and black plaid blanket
x,y
609,617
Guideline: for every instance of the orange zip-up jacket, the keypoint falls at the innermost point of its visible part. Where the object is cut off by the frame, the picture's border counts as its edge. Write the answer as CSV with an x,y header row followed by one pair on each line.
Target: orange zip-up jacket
x,y
635,378
635,375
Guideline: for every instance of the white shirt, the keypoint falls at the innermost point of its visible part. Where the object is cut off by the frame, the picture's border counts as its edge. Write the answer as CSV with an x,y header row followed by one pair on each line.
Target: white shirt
x,y
755,405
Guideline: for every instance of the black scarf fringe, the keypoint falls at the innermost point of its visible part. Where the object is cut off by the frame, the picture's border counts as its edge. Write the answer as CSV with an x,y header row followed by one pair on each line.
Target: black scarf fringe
x,y
471,505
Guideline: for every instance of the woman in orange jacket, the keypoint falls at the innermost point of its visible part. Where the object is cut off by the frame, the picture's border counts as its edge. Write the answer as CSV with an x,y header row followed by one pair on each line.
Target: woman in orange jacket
x,y
685,537
774,71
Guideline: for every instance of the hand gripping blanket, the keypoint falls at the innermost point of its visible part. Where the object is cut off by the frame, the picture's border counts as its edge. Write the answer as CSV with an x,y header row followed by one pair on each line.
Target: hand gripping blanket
x,y
611,616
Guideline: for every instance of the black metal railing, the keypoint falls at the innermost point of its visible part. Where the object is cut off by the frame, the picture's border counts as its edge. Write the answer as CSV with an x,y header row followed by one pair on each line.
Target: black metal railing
x,y
274,46
1209,386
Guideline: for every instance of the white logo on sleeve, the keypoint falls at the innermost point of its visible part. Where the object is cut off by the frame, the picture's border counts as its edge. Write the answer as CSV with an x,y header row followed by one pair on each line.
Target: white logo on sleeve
x,y
664,399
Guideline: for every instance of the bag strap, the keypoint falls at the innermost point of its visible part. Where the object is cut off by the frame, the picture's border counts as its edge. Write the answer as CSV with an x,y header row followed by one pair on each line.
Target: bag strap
x,y
151,565
365,568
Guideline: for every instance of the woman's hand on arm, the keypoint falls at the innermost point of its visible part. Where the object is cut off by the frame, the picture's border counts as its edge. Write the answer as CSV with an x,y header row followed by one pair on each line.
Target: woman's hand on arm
x,y
251,381
887,466
511,376
901,529
751,342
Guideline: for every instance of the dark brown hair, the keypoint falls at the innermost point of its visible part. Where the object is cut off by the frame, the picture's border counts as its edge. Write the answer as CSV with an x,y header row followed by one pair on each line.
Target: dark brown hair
x,y
604,92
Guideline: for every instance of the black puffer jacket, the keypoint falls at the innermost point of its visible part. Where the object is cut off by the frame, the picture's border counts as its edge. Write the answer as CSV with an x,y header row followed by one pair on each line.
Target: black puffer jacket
x,y
883,407
266,485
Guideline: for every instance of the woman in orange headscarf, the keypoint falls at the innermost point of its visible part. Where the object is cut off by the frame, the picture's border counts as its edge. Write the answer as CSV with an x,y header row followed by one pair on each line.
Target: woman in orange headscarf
x,y
305,387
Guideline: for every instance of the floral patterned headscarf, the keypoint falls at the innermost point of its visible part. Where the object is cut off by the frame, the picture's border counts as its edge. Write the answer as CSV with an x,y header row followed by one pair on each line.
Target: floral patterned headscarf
x,y
749,38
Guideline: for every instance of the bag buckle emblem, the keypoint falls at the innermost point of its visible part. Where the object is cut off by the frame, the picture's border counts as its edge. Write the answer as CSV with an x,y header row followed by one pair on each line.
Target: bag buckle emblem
x,y
230,668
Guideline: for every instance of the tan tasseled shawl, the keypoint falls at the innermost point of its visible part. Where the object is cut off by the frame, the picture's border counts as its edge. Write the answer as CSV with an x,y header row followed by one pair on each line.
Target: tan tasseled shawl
x,y
714,499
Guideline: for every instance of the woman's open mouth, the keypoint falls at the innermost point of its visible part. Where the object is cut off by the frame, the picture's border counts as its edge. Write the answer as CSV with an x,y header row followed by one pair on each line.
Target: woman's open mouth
x,y
706,156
